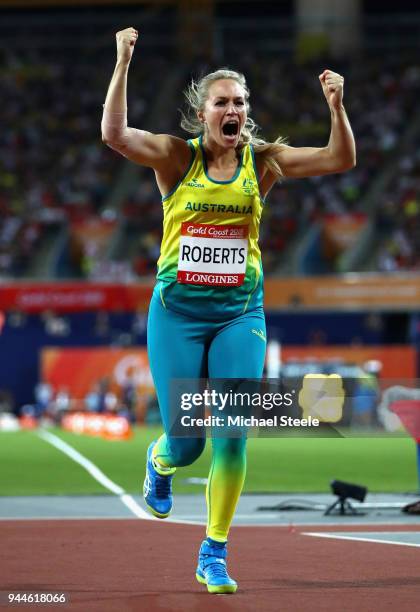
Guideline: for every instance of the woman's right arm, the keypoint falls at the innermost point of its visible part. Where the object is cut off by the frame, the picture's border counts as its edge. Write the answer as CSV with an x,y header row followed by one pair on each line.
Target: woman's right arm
x,y
167,155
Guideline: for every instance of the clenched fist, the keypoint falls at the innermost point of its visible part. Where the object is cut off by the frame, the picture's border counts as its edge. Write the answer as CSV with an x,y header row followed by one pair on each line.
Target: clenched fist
x,y
332,86
126,39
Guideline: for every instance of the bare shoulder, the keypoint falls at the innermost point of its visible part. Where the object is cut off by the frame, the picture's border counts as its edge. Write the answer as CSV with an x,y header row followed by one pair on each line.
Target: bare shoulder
x,y
303,162
266,178
172,167
173,151
155,151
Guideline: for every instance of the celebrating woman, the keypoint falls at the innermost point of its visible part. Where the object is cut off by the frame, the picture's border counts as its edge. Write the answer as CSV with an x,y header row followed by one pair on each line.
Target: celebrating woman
x,y
206,315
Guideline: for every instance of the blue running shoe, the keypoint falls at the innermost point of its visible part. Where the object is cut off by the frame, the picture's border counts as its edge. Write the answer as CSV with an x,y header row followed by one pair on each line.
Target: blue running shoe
x,y
157,488
212,571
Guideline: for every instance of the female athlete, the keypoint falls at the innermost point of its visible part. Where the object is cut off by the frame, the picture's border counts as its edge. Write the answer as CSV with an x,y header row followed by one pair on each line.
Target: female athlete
x,y
206,315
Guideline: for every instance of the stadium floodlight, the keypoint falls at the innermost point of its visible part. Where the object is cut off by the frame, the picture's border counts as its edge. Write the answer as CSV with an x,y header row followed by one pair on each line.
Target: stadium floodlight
x,y
344,491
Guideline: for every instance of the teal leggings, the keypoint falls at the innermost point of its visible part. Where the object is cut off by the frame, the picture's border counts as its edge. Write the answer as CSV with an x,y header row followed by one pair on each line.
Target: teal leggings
x,y
182,347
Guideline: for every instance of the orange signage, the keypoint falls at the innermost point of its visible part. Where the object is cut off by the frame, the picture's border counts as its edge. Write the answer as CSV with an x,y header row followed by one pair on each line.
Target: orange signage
x,y
398,362
344,292
104,426
348,291
78,371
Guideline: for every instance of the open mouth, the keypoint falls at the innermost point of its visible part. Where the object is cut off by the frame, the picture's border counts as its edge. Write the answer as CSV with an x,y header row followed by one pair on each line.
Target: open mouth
x,y
230,128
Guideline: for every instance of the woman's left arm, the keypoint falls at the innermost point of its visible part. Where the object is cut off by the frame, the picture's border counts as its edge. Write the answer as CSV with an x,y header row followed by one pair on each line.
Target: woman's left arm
x,y
340,153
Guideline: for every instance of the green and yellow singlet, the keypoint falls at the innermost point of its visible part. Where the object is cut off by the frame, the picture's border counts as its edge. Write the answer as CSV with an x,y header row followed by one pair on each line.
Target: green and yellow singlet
x,y
210,262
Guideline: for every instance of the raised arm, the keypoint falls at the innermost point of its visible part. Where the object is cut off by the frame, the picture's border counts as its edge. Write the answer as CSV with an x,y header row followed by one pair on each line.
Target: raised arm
x,y
168,155
340,153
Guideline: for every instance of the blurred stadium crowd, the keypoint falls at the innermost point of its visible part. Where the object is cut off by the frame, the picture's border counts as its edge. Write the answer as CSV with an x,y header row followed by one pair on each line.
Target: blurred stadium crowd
x,y
71,208
55,172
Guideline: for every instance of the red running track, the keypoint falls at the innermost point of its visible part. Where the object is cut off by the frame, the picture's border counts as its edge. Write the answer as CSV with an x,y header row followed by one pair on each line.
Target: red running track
x,y
119,565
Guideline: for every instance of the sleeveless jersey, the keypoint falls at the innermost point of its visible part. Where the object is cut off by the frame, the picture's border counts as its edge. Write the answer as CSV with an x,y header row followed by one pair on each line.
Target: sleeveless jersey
x,y
210,262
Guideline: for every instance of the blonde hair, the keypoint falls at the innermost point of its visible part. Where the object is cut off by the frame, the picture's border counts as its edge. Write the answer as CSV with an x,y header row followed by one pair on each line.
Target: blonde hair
x,y
196,96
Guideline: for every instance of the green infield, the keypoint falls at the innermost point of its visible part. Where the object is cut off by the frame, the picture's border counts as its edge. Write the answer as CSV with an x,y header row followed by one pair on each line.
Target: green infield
x,y
31,466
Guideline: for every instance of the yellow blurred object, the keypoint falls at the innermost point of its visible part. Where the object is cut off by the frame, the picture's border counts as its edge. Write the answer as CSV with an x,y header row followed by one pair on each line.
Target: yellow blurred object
x,y
322,397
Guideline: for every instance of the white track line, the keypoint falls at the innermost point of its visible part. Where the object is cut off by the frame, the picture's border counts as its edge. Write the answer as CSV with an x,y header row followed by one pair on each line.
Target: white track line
x,y
358,539
96,473
100,477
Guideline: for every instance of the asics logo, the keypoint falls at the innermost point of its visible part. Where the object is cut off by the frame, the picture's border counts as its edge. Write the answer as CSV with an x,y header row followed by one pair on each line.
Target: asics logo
x,y
194,183
259,333
147,487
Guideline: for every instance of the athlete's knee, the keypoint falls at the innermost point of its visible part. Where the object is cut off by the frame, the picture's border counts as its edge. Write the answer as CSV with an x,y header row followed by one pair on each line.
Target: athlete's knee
x,y
185,451
231,448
